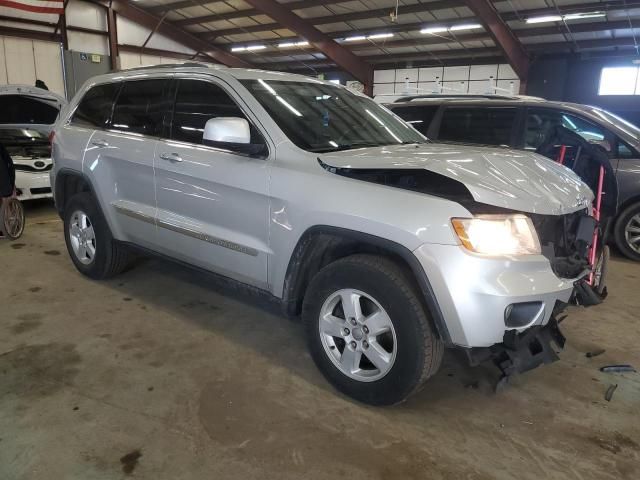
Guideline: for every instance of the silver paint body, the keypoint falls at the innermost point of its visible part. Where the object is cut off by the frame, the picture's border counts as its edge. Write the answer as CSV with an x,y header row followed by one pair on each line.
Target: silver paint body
x,y
242,217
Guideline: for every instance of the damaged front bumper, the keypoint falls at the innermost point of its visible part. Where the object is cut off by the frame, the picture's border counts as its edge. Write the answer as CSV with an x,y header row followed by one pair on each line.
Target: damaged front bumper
x,y
523,351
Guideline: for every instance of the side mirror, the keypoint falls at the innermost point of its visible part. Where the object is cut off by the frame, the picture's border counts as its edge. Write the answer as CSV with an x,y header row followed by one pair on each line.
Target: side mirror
x,y
231,133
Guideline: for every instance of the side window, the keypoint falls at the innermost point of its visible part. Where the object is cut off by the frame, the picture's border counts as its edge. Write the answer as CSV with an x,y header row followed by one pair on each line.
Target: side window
x,y
95,107
624,151
197,102
479,125
141,106
541,120
19,109
419,117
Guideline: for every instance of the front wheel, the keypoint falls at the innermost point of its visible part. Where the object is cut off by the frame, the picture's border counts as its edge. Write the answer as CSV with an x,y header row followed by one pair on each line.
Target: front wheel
x,y
368,331
627,232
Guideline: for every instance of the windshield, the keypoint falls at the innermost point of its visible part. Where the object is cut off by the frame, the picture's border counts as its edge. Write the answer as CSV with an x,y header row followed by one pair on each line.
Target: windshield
x,y
627,127
20,109
323,118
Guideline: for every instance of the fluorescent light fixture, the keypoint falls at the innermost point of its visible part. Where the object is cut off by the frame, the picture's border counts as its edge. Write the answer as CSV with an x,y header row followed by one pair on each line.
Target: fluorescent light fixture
x,y
293,44
238,49
355,39
434,30
464,26
379,35
251,48
578,16
545,19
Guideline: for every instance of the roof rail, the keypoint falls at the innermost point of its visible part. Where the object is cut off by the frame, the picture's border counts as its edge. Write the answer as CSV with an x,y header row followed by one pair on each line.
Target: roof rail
x,y
172,65
488,96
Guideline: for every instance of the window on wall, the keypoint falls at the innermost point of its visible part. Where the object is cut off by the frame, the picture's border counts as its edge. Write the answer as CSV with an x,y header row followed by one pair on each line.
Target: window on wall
x,y
620,81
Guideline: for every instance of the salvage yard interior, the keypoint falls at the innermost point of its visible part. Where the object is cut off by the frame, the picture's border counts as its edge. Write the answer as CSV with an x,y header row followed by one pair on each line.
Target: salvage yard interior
x,y
313,239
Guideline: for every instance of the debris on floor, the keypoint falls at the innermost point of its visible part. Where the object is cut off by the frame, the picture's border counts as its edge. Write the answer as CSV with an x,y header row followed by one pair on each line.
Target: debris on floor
x,y
617,369
595,353
609,394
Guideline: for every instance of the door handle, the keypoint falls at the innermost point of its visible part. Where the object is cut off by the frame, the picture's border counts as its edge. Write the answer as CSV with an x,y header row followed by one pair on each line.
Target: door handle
x,y
100,143
171,157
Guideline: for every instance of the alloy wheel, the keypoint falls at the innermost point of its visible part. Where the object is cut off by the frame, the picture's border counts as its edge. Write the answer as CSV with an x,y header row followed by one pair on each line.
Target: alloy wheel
x,y
82,237
632,233
357,335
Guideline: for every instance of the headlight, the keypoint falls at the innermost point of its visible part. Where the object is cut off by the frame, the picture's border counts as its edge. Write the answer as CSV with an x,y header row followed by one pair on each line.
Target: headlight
x,y
498,235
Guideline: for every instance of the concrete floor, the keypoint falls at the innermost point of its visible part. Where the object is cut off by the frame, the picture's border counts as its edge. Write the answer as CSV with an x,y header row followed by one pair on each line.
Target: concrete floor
x,y
163,374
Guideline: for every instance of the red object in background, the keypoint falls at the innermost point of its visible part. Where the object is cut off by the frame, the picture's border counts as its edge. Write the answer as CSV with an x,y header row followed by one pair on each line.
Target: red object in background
x,y
55,7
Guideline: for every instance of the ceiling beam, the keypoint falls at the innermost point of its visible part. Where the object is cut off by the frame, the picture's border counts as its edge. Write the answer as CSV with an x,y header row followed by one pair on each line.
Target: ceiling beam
x,y
421,8
503,37
250,12
344,58
150,21
339,18
470,55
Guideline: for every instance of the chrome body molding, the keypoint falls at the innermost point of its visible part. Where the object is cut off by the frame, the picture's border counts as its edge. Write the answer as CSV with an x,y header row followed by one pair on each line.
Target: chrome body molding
x,y
186,231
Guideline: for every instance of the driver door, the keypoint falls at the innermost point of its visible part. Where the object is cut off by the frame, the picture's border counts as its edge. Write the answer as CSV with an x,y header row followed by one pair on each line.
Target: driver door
x,y
213,204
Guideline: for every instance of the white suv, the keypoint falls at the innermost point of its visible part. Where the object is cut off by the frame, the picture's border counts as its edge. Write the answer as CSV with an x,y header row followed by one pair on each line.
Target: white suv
x,y
390,247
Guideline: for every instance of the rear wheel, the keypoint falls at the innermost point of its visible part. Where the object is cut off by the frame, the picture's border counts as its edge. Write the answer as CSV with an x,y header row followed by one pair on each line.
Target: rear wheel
x,y
627,232
368,331
91,246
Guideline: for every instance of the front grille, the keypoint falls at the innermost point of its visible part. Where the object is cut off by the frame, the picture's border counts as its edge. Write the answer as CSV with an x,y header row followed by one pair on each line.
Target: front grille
x,y
41,190
32,169
563,241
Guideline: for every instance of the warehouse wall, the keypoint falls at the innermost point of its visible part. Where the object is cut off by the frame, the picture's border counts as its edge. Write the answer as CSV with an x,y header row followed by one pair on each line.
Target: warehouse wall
x,y
23,61
577,80
462,79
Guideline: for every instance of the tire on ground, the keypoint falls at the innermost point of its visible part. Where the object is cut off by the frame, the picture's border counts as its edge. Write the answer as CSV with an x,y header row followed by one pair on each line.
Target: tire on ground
x,y
111,257
419,350
619,231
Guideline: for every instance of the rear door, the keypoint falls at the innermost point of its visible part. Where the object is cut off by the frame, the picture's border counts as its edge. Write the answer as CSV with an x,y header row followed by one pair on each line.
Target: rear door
x,y
119,159
213,204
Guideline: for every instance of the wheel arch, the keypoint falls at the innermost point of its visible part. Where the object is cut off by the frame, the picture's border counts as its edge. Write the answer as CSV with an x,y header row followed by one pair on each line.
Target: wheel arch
x,y
68,183
321,245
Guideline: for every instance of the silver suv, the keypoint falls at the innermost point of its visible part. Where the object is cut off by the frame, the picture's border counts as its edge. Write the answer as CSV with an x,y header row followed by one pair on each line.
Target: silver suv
x,y
389,247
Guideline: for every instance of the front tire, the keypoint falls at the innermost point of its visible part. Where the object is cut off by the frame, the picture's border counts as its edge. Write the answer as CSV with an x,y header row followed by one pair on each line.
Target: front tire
x,y
91,246
627,232
368,331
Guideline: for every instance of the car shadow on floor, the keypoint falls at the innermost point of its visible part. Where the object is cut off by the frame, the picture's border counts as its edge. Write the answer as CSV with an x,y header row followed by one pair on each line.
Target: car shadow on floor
x,y
231,309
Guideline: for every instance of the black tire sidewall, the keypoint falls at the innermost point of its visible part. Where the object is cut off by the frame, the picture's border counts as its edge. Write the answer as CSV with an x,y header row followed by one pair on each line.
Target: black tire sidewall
x,y
406,371
84,202
619,233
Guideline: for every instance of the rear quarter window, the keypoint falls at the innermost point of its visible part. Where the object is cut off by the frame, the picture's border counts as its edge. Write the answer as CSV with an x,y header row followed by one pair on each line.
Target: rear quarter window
x,y
25,110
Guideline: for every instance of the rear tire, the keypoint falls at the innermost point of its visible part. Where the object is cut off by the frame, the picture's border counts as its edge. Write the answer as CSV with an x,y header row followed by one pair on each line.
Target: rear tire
x,y
90,244
375,368
627,232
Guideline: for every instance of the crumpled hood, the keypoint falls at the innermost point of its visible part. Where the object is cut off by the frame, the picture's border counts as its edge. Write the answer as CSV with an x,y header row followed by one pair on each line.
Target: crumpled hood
x,y
516,180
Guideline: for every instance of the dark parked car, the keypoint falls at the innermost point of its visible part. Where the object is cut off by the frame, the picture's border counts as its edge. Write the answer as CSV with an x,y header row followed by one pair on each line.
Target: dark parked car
x,y
523,123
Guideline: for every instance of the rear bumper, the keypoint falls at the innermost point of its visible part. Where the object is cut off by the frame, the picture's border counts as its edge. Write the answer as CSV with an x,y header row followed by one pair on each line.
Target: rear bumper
x,y
31,185
482,299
